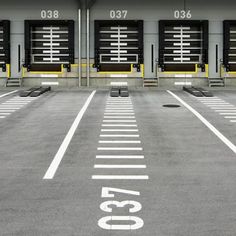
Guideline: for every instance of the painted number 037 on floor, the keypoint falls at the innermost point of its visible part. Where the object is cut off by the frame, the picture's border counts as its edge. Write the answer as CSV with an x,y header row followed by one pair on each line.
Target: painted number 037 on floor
x,y
115,222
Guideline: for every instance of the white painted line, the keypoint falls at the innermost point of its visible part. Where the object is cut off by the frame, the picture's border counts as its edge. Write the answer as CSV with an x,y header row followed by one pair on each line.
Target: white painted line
x,y
120,135
232,121
230,117
125,121
120,166
223,108
9,108
119,103
206,123
4,110
2,117
11,105
220,105
119,117
5,114
6,94
207,98
119,149
120,141
60,154
14,104
214,103
229,113
120,157
118,113
119,130
228,110
120,177
119,108
118,125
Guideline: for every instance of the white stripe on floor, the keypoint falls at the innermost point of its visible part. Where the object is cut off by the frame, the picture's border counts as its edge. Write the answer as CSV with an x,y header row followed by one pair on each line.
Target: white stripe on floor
x,y
5,114
220,105
6,94
119,141
120,135
227,113
120,177
206,123
233,121
120,121
119,149
225,110
2,117
4,110
118,113
60,154
119,130
120,166
118,125
222,108
119,117
120,157
230,117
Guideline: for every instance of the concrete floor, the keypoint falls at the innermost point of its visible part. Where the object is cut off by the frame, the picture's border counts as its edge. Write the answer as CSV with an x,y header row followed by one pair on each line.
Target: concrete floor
x,y
190,190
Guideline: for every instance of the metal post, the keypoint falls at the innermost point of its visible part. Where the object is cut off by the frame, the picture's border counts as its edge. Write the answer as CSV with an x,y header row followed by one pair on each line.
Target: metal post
x,y
79,47
88,47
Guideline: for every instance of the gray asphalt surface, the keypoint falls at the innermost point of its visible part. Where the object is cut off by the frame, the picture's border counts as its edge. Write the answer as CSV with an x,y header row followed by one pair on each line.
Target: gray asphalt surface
x,y
190,190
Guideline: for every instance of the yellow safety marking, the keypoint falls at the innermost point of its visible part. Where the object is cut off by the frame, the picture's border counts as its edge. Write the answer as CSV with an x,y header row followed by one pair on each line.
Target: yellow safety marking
x,y
8,70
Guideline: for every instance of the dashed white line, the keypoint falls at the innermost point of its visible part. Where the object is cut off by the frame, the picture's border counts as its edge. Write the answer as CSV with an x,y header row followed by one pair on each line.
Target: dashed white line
x,y
119,130
228,113
5,114
119,117
119,141
118,125
233,121
119,121
60,154
119,149
206,123
118,113
230,117
2,117
120,166
114,177
120,157
120,135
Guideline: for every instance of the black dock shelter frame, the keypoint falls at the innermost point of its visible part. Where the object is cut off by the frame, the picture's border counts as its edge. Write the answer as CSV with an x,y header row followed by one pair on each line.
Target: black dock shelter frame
x,y
29,26
103,25
188,66
5,44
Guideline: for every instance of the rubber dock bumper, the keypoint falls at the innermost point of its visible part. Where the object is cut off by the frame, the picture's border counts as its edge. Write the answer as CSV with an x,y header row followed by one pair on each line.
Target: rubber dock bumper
x,y
205,92
114,92
193,91
27,92
40,91
124,92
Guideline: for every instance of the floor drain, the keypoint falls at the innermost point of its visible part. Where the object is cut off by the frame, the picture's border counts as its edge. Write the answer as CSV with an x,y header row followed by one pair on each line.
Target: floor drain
x,y
171,105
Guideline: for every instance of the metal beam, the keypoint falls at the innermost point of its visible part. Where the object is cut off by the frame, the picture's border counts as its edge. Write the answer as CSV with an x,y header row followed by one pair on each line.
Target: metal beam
x,y
88,46
79,47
